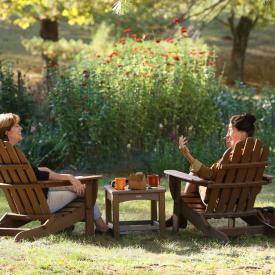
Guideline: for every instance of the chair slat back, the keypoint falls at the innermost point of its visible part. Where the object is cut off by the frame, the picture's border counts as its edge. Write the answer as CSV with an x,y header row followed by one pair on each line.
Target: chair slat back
x,y
252,157
213,195
15,169
243,194
259,175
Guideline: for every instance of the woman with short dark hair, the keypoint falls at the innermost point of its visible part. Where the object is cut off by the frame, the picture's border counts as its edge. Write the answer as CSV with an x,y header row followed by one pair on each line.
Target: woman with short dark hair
x,y
239,128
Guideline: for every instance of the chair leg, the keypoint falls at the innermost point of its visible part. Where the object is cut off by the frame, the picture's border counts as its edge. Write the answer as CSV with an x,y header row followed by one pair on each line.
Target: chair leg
x,y
13,220
202,224
175,190
56,223
260,220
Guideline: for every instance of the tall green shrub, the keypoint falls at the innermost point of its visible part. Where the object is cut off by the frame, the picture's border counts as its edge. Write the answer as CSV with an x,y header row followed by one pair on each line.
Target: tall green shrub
x,y
137,100
14,97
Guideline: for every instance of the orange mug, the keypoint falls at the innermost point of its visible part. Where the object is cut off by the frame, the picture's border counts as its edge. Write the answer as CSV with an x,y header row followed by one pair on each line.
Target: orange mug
x,y
153,180
120,183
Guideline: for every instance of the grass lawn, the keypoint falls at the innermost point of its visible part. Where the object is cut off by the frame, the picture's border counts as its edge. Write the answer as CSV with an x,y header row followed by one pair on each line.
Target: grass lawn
x,y
188,252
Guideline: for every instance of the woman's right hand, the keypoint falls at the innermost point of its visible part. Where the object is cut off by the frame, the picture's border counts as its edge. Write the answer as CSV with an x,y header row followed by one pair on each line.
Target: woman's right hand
x,y
182,146
184,149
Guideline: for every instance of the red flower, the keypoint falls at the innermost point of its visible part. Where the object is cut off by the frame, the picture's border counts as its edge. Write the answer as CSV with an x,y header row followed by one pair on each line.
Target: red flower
x,y
176,57
147,50
164,55
158,40
128,72
106,60
210,53
127,30
176,20
201,53
134,35
147,35
122,40
135,50
139,40
183,30
118,65
211,63
97,55
112,54
170,39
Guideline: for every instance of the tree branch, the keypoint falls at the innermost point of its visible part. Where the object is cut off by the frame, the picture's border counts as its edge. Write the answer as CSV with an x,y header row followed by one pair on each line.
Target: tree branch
x,y
255,21
222,22
231,20
207,9
218,13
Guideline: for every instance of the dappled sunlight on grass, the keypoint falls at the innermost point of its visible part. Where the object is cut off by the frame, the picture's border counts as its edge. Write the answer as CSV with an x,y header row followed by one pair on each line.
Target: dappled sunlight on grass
x,y
187,252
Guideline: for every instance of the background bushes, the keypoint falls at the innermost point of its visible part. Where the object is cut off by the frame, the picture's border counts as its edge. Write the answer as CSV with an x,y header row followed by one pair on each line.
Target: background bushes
x,y
130,106
125,110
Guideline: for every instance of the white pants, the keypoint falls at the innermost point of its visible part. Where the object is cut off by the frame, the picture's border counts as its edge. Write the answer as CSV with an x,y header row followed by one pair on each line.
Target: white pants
x,y
58,197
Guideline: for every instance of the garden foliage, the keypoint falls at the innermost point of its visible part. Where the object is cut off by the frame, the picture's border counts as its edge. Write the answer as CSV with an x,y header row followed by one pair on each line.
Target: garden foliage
x,y
132,104
125,109
14,96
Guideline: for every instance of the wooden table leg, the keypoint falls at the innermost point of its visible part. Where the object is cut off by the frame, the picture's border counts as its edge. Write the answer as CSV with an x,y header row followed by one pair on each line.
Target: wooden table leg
x,y
161,213
116,216
154,214
108,208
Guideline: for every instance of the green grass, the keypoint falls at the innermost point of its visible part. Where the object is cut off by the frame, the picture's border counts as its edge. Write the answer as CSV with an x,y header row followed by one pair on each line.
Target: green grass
x,y
188,252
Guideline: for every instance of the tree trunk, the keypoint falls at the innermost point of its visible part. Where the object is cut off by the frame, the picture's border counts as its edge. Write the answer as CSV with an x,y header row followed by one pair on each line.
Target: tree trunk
x,y
49,31
240,40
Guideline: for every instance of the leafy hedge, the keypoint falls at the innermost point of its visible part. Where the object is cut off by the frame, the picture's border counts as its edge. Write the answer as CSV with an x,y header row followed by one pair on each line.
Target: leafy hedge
x,y
133,103
125,110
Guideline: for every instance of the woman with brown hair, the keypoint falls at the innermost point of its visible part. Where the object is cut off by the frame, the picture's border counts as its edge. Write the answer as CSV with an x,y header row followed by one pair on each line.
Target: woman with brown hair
x,y
239,128
57,198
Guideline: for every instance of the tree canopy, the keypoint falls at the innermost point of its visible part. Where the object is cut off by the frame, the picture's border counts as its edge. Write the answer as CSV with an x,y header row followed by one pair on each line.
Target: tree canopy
x,y
25,12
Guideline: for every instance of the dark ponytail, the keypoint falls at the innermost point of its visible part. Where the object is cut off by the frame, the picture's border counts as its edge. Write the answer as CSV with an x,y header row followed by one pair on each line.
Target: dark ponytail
x,y
245,123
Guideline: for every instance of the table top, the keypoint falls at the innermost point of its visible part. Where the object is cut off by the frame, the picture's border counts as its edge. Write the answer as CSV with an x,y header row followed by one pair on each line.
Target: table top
x,y
111,189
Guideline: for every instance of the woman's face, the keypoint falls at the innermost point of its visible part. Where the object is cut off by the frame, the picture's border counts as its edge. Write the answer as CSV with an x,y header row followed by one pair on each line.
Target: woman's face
x,y
14,134
234,135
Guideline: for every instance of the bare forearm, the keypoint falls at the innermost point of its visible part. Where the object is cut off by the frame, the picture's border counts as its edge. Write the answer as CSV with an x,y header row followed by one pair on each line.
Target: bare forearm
x,y
189,157
56,176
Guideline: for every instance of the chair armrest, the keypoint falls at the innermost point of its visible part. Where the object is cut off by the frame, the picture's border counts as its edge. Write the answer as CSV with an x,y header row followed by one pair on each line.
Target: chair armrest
x,y
51,183
187,177
57,183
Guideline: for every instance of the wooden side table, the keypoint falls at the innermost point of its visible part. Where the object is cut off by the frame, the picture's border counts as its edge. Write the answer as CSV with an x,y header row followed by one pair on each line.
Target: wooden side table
x,y
114,197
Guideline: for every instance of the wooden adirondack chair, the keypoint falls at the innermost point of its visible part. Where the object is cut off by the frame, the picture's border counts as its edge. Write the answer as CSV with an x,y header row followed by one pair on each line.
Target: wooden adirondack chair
x,y
28,203
231,194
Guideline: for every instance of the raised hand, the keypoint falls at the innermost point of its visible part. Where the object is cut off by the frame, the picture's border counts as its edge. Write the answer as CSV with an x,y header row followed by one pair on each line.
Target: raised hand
x,y
182,145
184,149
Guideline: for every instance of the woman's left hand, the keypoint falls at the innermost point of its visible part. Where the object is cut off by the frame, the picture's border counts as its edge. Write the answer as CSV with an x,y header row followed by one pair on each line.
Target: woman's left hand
x,y
79,188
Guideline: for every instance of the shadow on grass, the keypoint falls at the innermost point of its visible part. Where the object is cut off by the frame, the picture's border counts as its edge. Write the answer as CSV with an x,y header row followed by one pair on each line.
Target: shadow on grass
x,y
186,242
